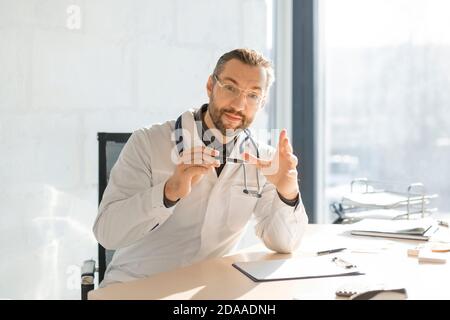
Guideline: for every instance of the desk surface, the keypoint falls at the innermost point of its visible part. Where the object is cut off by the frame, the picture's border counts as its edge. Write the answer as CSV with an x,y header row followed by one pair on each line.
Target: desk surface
x,y
383,260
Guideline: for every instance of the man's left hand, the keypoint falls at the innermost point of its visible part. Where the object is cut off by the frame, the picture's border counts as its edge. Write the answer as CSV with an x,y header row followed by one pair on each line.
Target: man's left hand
x,y
281,170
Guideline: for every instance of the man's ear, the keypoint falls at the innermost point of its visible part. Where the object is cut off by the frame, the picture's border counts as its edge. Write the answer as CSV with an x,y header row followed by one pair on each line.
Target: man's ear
x,y
209,86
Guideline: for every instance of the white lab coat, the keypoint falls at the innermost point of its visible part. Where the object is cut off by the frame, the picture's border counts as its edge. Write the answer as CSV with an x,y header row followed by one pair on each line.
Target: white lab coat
x,y
150,238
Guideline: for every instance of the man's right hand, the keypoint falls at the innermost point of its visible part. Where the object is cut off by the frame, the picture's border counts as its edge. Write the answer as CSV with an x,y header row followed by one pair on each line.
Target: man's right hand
x,y
194,164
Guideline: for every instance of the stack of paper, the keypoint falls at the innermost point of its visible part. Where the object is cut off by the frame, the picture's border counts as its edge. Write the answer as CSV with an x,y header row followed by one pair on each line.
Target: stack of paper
x,y
420,229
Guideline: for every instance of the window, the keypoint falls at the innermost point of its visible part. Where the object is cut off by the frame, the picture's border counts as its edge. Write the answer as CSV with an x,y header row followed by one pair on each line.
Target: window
x,y
68,71
384,84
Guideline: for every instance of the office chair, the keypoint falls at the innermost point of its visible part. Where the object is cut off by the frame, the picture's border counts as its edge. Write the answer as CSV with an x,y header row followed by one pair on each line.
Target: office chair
x,y
109,147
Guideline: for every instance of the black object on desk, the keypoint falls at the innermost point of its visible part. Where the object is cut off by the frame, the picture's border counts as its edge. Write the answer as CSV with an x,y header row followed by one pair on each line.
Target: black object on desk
x,y
320,253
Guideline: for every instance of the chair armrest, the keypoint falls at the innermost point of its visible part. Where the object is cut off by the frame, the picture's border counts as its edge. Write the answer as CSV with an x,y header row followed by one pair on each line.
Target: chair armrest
x,y
87,278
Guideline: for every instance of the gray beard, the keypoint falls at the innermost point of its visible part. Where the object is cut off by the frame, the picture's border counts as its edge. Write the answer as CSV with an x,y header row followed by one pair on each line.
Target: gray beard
x,y
229,133
219,124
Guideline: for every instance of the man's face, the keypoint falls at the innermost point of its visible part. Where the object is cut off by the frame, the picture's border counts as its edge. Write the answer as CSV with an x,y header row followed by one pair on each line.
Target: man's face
x,y
236,111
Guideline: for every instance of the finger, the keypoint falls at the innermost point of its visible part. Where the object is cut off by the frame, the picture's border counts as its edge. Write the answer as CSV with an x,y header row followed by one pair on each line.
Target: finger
x,y
184,167
189,166
283,134
211,152
202,158
260,163
282,137
199,155
293,173
292,160
197,170
196,179
202,149
288,147
199,158
282,140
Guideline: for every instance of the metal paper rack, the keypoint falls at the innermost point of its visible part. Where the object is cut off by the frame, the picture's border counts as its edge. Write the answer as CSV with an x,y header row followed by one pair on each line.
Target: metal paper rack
x,y
383,203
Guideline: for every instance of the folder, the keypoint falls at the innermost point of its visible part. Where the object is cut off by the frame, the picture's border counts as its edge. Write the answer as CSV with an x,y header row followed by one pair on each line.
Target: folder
x,y
296,268
420,229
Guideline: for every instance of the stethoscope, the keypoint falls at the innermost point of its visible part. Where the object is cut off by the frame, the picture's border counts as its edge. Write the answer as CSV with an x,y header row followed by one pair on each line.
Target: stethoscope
x,y
253,193
248,137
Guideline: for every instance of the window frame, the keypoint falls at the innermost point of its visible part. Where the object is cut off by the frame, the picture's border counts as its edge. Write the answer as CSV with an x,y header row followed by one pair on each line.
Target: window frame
x,y
306,133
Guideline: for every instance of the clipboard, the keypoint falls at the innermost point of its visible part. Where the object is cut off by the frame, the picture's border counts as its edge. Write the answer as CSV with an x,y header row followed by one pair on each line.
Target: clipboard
x,y
296,268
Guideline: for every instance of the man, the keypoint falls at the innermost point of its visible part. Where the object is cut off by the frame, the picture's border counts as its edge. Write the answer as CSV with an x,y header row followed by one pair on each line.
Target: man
x,y
183,191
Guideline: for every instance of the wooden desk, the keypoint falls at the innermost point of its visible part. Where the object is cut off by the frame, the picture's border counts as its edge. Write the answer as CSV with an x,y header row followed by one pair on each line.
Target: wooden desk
x,y
218,279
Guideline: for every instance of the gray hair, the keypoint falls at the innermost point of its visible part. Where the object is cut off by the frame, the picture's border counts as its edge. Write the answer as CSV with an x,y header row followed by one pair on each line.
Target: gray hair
x,y
250,57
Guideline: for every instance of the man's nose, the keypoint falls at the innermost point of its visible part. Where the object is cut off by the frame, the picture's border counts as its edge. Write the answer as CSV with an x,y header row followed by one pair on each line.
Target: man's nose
x,y
240,101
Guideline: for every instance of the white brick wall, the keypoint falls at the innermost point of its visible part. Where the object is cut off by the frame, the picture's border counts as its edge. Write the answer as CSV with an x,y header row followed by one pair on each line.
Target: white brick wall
x,y
131,64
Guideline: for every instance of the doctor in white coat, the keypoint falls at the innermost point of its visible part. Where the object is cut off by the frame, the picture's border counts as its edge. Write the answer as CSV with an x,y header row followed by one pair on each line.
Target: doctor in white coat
x,y
183,191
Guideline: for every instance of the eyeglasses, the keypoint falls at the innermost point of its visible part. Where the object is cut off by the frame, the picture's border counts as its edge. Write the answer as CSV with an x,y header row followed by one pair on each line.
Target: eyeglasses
x,y
230,91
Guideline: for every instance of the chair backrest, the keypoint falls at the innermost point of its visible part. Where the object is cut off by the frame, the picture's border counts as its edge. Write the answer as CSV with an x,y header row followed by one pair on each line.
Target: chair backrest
x,y
109,147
